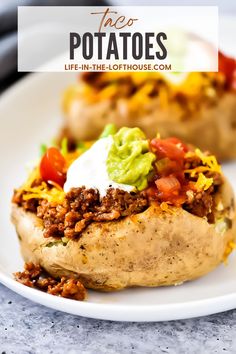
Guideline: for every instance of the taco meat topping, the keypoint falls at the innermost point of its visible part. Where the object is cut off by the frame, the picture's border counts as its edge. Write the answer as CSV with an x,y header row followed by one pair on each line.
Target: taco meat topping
x,y
83,206
36,277
176,175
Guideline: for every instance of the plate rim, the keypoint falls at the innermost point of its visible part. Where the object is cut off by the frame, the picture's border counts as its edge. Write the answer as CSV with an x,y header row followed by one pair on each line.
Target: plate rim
x,y
115,312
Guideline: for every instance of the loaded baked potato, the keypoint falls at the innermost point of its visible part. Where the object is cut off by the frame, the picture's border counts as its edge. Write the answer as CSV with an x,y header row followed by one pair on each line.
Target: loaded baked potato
x,y
125,211
198,108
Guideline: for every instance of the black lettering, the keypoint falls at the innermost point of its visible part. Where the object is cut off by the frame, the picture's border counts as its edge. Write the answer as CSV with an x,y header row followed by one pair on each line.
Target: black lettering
x,y
87,45
112,47
75,42
161,36
125,36
137,54
99,35
148,45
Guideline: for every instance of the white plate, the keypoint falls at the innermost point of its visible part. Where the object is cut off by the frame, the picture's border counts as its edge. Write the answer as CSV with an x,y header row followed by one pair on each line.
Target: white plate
x,y
30,115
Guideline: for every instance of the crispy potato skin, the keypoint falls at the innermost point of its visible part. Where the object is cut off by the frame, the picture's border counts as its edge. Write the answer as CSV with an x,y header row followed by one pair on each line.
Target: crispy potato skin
x,y
153,248
211,128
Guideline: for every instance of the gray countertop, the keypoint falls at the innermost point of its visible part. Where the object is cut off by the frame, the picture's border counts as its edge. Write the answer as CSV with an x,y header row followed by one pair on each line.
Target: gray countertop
x,y
26,327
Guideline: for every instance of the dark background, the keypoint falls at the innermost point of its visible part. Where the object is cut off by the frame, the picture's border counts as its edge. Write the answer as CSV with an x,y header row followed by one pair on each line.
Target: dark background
x,y
8,33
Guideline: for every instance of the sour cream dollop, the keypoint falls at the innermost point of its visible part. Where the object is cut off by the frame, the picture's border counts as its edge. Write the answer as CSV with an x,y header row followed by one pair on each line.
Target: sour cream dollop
x,y
90,170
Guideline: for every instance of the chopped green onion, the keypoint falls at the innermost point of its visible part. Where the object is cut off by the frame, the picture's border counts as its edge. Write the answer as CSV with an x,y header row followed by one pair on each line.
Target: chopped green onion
x,y
43,149
64,146
81,146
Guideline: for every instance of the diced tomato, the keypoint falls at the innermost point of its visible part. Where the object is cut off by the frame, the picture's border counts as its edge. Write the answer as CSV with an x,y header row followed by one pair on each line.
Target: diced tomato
x,y
168,187
228,67
166,167
168,190
52,166
165,148
170,179
152,192
178,142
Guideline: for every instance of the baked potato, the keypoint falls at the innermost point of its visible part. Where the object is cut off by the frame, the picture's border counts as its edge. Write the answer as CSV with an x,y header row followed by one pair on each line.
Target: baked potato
x,y
198,108
177,227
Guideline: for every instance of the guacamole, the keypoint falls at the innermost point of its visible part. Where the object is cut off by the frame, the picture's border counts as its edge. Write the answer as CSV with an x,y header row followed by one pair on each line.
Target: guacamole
x,y
129,160
110,129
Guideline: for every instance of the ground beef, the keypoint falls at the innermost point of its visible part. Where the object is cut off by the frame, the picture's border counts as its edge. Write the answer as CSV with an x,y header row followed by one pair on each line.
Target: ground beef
x,y
35,277
28,205
202,203
192,162
83,206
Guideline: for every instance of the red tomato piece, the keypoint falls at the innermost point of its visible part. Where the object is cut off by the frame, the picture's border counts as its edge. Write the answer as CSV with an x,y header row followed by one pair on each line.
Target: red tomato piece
x,y
178,142
227,66
164,148
166,167
168,187
52,166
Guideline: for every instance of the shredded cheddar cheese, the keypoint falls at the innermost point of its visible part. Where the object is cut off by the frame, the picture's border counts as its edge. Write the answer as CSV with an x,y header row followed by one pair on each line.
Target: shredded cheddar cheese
x,y
108,92
52,192
164,206
34,174
168,85
141,97
42,191
209,163
231,246
164,99
203,183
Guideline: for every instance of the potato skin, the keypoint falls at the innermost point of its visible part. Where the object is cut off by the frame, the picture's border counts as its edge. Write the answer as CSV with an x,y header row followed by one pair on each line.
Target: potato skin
x,y
210,128
153,248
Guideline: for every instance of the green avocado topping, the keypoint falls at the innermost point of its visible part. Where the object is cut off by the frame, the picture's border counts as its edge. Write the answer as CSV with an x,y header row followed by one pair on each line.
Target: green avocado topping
x,y
110,129
129,159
